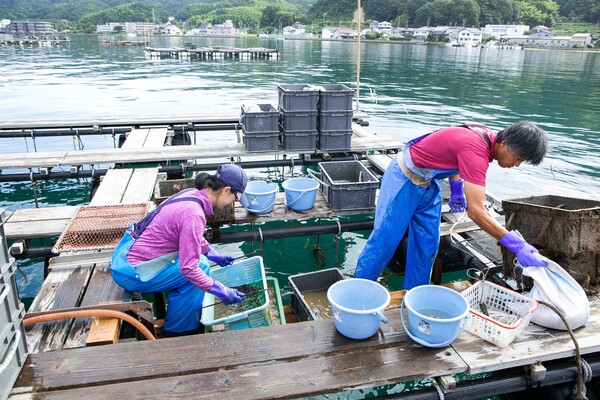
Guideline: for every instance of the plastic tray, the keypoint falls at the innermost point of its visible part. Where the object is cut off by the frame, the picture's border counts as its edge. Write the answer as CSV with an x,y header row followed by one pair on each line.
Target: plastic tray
x,y
310,282
259,118
335,121
299,140
497,299
335,97
298,120
298,97
335,140
348,185
248,271
257,142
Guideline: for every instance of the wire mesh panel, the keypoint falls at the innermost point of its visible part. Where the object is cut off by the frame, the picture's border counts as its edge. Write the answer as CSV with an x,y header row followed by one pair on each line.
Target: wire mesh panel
x,y
99,227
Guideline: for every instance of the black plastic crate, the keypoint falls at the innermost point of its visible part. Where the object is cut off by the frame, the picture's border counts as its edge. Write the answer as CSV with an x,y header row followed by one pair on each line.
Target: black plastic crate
x,y
335,97
335,140
348,185
298,120
311,282
259,118
261,141
299,140
298,97
335,120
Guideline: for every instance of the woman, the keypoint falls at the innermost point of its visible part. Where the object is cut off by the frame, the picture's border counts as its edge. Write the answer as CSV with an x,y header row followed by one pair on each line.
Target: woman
x,y
167,251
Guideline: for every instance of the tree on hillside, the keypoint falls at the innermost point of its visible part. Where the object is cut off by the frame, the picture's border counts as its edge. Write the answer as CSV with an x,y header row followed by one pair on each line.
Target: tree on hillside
x,y
382,10
448,12
538,12
498,11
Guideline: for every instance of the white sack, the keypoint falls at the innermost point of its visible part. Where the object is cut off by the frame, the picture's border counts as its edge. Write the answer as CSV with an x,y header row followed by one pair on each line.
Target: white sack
x,y
555,286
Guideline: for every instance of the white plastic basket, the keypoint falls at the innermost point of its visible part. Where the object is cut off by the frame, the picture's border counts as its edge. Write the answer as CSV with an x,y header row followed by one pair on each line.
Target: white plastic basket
x,y
509,312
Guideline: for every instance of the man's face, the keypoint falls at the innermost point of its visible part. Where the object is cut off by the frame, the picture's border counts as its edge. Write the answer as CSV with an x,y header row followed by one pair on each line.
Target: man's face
x,y
507,158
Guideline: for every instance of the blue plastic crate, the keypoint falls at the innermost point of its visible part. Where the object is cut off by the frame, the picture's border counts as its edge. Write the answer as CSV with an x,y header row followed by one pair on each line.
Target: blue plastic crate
x,y
259,118
298,97
335,97
335,140
299,140
244,272
298,120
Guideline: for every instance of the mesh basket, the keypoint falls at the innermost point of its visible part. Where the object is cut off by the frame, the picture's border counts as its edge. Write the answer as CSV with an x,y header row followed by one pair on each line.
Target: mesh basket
x,y
509,312
99,227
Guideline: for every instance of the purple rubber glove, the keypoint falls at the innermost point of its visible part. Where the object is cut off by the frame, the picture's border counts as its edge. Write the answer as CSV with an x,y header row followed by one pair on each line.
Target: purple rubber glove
x,y
457,201
226,294
527,255
218,258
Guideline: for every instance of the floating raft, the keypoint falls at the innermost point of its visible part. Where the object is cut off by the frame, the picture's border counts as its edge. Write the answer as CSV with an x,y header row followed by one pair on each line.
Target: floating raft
x,y
36,42
125,43
210,53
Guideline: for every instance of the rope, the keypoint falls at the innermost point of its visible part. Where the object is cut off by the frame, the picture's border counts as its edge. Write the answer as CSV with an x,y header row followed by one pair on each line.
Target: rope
x,y
581,375
437,387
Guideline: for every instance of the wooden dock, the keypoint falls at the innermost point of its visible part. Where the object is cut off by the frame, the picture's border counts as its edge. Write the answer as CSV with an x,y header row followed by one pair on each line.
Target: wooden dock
x,y
210,53
287,361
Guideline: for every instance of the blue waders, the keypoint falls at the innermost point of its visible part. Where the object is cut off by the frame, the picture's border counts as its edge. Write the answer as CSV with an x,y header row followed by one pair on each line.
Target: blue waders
x,y
403,205
159,275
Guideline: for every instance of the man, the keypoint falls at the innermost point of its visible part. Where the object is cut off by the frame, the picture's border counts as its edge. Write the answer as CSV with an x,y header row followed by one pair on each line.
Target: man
x,y
410,198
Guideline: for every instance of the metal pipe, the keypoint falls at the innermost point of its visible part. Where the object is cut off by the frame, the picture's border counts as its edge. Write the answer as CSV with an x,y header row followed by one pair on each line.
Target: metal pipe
x,y
26,177
507,381
249,235
36,133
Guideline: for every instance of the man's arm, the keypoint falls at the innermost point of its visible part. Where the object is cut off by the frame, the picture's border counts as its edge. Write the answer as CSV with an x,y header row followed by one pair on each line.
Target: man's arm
x,y
475,195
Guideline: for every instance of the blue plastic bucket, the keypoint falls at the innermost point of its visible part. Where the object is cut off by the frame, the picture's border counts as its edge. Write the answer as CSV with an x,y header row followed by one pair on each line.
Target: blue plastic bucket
x,y
261,196
357,306
300,193
436,315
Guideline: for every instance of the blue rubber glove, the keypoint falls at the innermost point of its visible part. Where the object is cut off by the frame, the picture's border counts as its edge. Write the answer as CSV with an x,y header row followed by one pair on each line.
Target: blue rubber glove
x,y
218,258
457,201
226,294
527,255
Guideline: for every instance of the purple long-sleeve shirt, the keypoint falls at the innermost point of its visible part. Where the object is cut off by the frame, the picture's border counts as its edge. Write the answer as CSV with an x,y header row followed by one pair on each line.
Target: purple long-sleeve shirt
x,y
179,227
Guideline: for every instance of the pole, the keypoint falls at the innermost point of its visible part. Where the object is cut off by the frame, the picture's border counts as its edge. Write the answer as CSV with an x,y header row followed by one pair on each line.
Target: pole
x,y
358,15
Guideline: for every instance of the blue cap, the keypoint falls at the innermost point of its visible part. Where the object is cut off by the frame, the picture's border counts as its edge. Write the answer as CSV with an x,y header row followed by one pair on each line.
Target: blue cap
x,y
233,176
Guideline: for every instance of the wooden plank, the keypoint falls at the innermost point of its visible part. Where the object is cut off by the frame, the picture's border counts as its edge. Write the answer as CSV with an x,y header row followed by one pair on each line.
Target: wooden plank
x,y
62,288
303,377
38,222
136,138
190,152
112,187
281,345
535,344
156,137
104,330
101,288
141,186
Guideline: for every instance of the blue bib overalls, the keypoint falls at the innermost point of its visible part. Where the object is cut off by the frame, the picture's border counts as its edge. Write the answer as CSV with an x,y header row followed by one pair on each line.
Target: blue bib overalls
x,y
159,275
403,205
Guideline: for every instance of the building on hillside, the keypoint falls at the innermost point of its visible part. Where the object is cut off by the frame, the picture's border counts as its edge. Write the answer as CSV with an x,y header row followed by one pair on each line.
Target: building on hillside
x,y
295,29
138,28
539,28
469,37
170,29
498,31
385,26
398,33
225,29
421,34
374,25
205,28
581,40
339,33
4,23
540,39
30,28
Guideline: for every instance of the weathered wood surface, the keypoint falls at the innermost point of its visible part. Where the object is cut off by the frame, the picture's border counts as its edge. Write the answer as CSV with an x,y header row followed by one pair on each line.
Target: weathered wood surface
x,y
145,137
62,288
125,186
101,288
534,344
284,361
189,152
26,223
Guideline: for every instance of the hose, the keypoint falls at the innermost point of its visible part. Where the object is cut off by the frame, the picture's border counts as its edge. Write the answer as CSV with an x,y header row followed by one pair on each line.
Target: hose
x,y
55,316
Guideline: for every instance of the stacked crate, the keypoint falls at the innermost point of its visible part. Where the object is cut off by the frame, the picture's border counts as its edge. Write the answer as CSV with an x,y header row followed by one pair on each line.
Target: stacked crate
x,y
260,127
298,116
13,346
335,117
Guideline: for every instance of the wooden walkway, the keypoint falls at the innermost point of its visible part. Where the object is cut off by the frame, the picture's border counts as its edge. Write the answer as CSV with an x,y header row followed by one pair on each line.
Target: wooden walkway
x,y
285,361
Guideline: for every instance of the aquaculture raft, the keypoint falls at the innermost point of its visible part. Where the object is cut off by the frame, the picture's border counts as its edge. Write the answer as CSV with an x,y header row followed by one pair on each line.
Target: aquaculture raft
x,y
210,53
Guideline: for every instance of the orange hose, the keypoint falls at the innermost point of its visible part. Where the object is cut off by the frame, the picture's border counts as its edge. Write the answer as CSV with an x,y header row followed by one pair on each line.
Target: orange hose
x,y
90,313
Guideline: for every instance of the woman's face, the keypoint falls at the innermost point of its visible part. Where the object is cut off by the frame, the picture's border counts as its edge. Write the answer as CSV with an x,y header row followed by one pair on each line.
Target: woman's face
x,y
225,197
